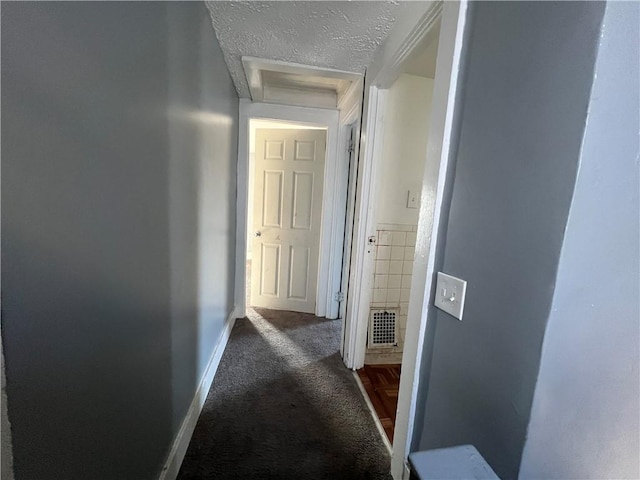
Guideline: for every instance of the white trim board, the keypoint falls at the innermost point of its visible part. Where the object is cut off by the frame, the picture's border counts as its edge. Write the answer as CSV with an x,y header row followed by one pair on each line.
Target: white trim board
x,y
390,71
181,442
361,273
411,27
343,82
332,213
348,119
350,130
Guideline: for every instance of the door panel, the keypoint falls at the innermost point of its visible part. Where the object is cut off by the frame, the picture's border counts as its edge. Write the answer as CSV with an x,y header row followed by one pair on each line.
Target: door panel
x,y
274,150
302,200
305,151
289,173
272,198
298,272
269,270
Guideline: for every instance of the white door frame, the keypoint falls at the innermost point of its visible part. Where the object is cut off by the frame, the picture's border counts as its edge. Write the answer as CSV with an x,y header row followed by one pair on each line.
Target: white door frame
x,y
361,272
332,212
452,16
349,121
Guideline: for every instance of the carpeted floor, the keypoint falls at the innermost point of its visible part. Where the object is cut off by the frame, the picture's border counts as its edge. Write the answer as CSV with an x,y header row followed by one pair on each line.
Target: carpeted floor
x,y
284,406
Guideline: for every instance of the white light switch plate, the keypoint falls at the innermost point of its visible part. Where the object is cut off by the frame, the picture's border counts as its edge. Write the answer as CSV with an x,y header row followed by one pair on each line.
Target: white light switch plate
x,y
413,199
450,292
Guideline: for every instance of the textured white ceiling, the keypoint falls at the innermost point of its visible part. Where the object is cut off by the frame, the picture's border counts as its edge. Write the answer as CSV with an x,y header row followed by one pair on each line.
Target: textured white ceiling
x,y
341,35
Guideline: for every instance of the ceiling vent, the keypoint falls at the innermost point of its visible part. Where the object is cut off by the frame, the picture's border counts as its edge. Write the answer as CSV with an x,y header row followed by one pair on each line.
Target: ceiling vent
x,y
271,81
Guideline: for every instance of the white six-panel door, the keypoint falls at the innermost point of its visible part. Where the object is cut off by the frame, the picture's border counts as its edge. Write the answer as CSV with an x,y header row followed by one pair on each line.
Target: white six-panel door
x,y
289,169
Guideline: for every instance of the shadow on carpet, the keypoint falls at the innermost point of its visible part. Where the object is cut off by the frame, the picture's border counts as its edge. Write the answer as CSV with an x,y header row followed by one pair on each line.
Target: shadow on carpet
x,y
284,406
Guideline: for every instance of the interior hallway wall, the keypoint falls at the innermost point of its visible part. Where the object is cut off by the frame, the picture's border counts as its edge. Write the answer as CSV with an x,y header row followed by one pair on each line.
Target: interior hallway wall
x,y
585,421
524,98
119,129
203,140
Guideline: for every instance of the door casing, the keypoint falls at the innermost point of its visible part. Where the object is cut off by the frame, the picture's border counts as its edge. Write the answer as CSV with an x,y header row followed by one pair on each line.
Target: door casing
x,y
349,148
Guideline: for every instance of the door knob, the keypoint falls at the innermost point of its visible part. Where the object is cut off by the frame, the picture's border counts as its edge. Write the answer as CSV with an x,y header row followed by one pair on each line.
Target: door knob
x,y
258,233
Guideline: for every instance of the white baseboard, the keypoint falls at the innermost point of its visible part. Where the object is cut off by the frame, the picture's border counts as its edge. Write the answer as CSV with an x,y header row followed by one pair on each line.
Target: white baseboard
x,y
239,313
179,448
406,473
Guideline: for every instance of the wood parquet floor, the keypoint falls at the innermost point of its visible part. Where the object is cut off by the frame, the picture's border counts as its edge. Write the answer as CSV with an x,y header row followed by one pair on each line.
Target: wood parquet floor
x,y
381,383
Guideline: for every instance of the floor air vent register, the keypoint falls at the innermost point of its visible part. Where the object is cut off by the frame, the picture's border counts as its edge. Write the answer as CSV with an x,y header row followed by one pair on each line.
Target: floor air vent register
x,y
383,328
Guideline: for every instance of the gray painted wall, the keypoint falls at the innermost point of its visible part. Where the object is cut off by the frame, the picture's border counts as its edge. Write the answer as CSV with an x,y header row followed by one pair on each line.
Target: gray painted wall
x,y
6,453
585,416
119,129
202,133
529,70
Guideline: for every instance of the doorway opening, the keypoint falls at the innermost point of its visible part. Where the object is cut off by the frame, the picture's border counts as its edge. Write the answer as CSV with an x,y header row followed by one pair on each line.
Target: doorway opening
x,y
293,175
397,208
448,19
284,211
397,187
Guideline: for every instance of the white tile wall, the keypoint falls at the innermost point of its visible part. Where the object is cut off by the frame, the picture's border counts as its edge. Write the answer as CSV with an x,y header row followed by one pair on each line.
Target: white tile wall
x,y
397,227
395,267
385,237
409,253
380,295
407,267
404,295
395,251
383,253
382,266
399,238
393,296
381,281
411,239
395,281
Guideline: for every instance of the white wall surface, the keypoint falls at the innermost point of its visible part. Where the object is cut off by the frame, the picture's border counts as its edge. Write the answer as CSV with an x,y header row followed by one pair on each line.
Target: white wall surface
x,y
405,144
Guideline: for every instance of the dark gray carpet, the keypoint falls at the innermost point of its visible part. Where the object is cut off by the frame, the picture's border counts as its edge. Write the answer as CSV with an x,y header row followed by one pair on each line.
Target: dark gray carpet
x,y
284,406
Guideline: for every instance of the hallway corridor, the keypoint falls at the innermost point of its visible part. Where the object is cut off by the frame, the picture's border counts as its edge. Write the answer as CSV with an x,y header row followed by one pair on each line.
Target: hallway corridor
x,y
283,406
